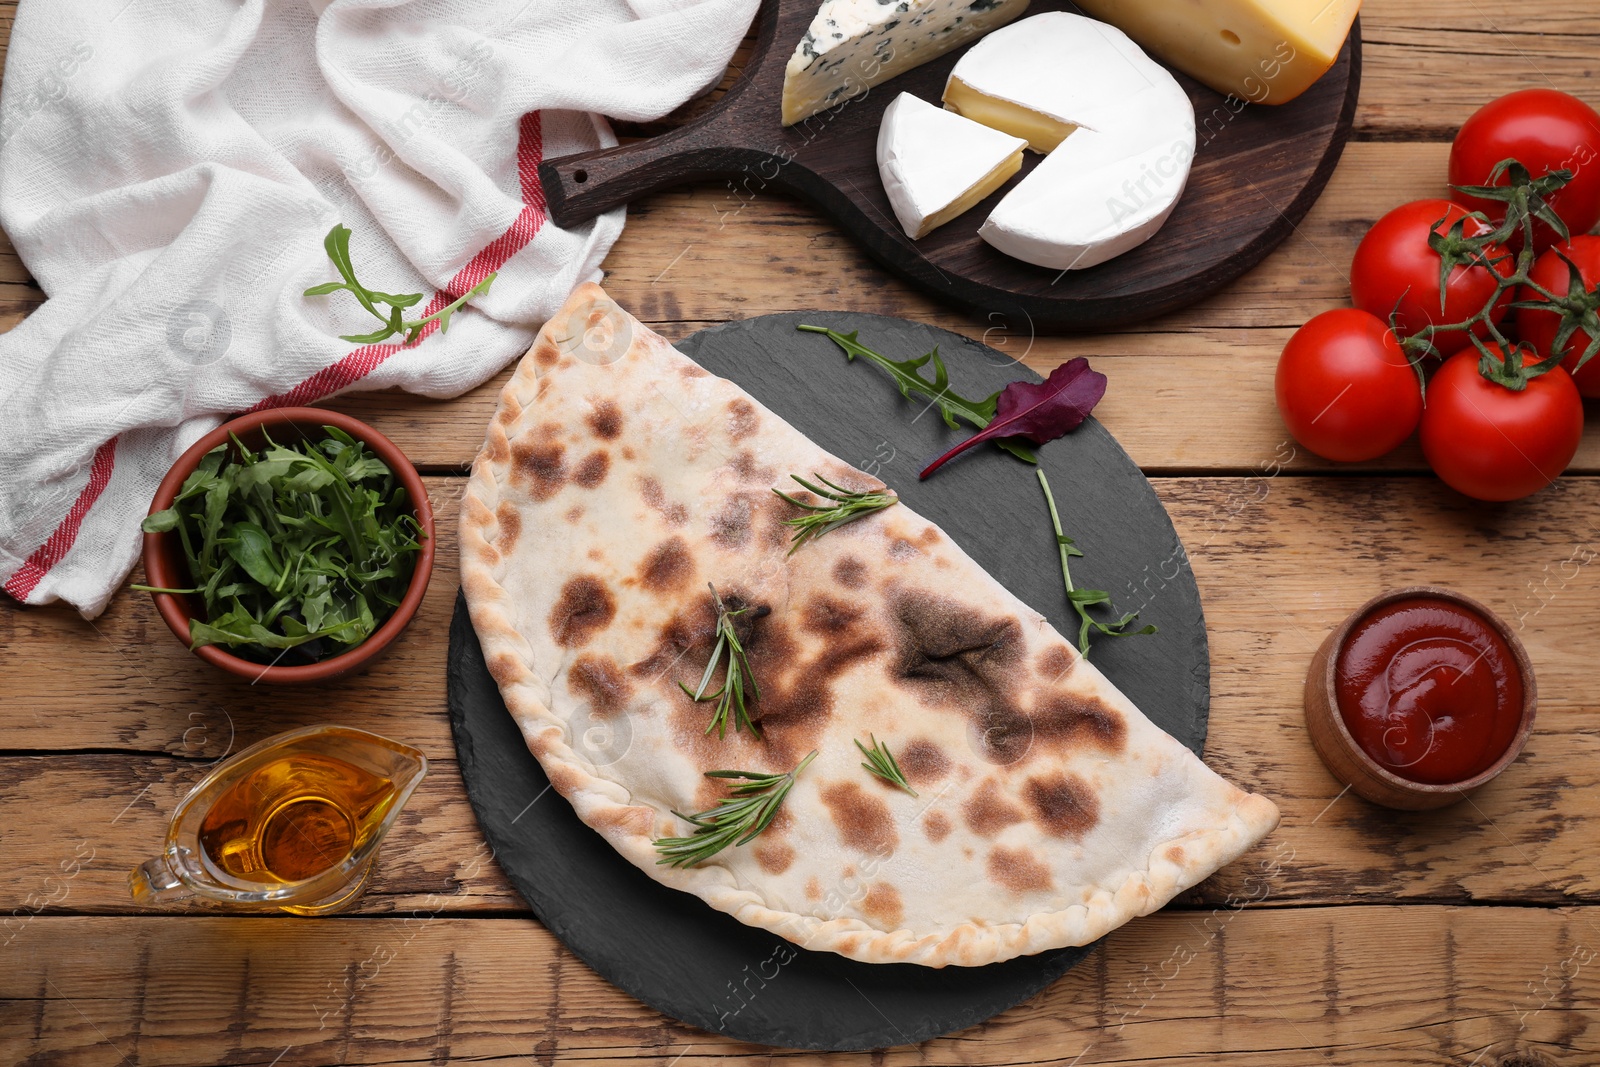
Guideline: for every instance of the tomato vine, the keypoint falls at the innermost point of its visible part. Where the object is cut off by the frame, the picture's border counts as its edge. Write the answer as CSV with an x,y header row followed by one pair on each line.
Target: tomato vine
x,y
1527,199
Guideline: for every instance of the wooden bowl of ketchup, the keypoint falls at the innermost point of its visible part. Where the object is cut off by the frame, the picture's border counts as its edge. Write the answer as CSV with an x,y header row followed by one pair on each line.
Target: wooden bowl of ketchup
x,y
1419,697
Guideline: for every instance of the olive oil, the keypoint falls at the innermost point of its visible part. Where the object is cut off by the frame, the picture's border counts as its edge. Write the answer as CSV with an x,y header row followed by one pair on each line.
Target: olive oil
x,y
294,818
292,823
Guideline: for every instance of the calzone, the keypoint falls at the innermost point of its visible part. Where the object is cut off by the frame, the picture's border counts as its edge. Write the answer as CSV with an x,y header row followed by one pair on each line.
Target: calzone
x,y
618,484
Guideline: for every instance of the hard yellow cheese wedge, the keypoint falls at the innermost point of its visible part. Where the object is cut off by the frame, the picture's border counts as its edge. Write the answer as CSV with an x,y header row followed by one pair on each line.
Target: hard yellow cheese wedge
x,y
1264,51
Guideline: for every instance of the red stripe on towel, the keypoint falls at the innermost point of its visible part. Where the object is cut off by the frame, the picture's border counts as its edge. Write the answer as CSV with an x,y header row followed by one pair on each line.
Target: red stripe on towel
x,y
47,555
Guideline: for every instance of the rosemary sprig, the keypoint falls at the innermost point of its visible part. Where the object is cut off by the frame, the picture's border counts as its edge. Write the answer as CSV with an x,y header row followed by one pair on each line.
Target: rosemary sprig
x,y
730,697
881,763
848,505
1083,599
735,820
337,244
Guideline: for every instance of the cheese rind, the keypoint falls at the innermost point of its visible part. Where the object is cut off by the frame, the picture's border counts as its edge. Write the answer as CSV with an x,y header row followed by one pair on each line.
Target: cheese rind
x,y
1086,204
853,45
1120,170
936,165
1264,51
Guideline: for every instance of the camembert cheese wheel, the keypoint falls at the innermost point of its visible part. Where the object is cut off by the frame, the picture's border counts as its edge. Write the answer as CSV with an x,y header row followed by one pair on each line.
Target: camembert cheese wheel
x,y
1118,128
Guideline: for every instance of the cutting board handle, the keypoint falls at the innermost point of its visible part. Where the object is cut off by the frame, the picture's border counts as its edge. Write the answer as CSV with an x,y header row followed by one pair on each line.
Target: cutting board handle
x,y
577,188
722,143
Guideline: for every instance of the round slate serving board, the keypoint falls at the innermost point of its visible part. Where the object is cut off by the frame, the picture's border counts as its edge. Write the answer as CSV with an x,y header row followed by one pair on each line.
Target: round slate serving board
x,y
1257,171
701,966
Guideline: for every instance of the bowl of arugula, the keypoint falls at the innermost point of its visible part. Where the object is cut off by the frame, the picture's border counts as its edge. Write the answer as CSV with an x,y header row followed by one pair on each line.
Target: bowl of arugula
x,y
289,546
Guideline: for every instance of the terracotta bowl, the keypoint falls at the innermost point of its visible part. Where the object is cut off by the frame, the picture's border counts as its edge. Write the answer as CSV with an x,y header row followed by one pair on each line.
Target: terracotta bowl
x,y
164,563
1349,762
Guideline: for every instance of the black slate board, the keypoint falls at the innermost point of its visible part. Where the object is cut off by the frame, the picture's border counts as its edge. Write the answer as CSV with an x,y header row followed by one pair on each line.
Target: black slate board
x,y
700,966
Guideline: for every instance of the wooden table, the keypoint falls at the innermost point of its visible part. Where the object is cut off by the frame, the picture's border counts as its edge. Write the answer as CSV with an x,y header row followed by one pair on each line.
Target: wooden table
x,y
1353,936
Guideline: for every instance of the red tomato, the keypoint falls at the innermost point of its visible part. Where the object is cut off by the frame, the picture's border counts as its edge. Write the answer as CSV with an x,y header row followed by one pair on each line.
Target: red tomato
x,y
1538,327
1489,442
1396,272
1543,130
1345,388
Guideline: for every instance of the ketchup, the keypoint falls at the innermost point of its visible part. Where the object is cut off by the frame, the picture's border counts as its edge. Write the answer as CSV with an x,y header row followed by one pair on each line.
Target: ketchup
x,y
1429,689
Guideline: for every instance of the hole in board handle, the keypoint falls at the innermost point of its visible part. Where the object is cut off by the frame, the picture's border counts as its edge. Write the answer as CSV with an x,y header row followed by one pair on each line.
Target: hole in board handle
x,y
1230,37
580,176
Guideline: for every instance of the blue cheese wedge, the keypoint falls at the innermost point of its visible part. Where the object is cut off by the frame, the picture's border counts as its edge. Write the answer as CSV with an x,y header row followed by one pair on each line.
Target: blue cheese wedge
x,y
936,165
853,45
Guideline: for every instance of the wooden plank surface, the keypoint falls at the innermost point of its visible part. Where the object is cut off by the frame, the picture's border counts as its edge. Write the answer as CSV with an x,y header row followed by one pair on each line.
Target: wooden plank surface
x,y
1253,988
1352,936
1279,562
1192,394
711,253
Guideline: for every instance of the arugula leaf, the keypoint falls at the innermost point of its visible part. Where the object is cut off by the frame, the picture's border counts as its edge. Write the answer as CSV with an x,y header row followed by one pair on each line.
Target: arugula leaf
x,y
304,548
251,548
337,245
413,329
907,375
1083,599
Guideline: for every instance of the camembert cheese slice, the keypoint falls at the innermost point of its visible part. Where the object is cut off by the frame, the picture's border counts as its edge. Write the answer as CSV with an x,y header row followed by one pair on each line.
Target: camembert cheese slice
x,y
1118,128
936,164
853,45
1264,51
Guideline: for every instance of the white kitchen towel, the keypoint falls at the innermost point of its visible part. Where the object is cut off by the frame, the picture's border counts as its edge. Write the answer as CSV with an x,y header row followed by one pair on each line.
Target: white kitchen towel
x,y
169,168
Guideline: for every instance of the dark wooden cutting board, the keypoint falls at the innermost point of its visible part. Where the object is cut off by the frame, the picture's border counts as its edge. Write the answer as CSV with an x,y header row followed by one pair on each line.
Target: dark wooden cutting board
x,y
1257,171
669,948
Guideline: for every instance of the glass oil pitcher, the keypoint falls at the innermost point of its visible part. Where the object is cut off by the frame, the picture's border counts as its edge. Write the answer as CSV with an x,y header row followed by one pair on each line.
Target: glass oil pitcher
x,y
292,823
